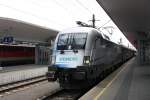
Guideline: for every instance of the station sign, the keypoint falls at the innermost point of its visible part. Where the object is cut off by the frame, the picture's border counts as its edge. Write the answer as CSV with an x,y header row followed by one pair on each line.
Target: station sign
x,y
7,39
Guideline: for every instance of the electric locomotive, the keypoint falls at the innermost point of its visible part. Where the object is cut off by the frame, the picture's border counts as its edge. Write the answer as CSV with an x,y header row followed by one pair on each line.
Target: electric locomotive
x,y
83,54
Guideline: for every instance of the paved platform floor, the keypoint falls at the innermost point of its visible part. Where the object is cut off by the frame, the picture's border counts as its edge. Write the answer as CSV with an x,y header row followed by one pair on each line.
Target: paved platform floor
x,y
133,83
20,67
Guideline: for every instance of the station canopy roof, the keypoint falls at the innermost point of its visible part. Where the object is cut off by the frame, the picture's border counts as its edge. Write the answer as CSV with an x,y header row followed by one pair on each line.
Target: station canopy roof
x,y
131,16
23,31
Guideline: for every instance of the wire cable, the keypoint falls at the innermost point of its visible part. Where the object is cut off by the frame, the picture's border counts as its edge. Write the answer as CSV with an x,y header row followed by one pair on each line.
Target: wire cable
x,y
82,5
104,24
25,12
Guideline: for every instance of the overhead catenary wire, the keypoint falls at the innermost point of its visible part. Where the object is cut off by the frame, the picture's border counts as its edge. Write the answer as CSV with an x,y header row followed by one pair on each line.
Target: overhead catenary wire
x,y
44,18
82,5
65,9
25,12
104,24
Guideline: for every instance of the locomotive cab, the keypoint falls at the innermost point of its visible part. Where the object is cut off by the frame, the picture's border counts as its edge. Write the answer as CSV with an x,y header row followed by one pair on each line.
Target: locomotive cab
x,y
70,50
69,56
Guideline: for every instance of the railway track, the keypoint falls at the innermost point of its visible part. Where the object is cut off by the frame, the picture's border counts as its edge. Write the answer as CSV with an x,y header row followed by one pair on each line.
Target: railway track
x,y
12,86
70,94
64,94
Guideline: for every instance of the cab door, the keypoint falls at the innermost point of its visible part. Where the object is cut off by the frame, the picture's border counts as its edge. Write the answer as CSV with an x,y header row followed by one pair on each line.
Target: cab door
x,y
99,51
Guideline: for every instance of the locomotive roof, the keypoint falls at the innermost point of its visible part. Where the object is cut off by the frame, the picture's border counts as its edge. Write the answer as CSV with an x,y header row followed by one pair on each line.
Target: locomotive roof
x,y
78,29
87,30
83,30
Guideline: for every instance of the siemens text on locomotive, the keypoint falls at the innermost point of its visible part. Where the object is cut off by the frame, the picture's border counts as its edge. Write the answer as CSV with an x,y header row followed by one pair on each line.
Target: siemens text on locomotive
x,y
83,54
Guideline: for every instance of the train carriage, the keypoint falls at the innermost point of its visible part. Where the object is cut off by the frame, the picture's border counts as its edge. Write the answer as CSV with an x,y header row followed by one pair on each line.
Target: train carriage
x,y
16,55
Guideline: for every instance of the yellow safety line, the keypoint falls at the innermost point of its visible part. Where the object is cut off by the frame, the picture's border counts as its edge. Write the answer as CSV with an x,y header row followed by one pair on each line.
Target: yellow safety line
x,y
96,98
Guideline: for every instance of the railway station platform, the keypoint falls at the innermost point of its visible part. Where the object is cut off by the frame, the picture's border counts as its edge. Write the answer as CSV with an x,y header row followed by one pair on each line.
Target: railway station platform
x,y
20,67
22,72
130,82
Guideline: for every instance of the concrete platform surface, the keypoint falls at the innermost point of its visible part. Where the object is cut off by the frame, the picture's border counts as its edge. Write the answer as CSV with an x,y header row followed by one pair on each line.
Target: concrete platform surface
x,y
20,67
130,82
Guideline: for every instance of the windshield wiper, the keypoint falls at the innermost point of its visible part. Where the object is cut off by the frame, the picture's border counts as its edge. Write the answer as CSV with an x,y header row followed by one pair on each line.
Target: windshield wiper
x,y
74,46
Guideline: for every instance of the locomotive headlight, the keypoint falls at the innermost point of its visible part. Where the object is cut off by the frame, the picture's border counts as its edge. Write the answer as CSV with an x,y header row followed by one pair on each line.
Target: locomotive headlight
x,y
86,60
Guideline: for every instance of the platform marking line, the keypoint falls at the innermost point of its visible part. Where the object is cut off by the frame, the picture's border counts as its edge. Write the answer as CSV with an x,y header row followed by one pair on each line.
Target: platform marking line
x,y
14,91
1,95
8,92
96,98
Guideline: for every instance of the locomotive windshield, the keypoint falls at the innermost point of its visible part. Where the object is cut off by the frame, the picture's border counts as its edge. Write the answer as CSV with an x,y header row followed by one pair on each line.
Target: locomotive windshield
x,y
71,41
